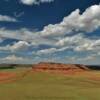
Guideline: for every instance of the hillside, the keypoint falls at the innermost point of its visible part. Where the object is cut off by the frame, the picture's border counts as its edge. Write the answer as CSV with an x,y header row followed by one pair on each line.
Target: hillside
x,y
59,66
52,66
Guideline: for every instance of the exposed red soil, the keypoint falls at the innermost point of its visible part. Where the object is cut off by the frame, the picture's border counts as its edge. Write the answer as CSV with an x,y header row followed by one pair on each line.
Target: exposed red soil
x,y
60,68
6,77
55,68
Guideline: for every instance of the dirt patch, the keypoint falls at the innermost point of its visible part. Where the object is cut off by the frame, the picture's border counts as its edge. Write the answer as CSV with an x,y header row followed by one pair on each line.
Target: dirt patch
x,y
4,76
12,77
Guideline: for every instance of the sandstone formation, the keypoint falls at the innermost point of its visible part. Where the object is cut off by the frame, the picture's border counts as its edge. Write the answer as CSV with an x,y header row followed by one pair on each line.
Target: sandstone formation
x,y
59,67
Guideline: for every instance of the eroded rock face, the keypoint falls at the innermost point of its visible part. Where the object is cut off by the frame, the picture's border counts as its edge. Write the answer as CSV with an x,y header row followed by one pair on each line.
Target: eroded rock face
x,y
59,66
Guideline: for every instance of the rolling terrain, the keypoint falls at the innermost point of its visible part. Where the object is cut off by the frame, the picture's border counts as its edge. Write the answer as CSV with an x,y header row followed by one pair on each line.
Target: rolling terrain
x,y
50,81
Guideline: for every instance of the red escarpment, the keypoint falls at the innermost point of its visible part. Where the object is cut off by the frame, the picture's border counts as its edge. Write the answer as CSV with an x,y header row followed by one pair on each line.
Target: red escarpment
x,y
46,66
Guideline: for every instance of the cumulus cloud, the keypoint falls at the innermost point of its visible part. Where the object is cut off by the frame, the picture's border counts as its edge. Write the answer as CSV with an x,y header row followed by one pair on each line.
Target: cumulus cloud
x,y
76,44
18,46
80,43
21,34
36,2
7,18
89,45
70,33
25,35
71,40
21,45
75,22
12,58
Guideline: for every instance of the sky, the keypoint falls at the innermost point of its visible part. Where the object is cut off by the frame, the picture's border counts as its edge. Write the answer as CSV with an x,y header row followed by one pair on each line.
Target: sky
x,y
64,31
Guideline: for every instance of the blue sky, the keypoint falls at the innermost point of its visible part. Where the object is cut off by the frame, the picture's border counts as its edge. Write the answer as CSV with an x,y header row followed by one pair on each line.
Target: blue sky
x,y
66,31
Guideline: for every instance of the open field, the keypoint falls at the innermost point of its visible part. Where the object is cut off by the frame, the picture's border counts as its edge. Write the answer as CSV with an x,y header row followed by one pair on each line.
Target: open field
x,y
26,84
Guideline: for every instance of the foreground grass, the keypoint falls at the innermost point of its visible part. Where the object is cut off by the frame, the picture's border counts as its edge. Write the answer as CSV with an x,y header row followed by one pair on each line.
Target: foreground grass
x,y
47,86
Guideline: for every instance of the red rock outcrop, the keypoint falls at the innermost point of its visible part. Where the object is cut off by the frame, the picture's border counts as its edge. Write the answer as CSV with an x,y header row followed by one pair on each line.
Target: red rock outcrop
x,y
59,67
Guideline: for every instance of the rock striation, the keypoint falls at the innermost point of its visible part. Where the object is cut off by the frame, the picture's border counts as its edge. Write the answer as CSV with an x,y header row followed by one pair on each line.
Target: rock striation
x,y
59,66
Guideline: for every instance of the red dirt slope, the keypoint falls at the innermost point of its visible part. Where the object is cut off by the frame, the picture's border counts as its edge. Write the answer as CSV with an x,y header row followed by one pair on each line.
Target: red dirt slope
x,y
44,66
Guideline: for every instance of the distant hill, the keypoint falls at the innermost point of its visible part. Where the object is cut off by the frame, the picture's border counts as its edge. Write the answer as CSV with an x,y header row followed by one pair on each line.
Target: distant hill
x,y
52,66
59,66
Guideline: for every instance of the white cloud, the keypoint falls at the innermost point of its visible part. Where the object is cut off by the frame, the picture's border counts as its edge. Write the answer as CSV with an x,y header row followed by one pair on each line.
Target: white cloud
x,y
13,59
36,2
25,35
21,34
56,36
18,46
72,23
21,45
87,22
7,18
71,40
89,45
78,43
45,51
55,33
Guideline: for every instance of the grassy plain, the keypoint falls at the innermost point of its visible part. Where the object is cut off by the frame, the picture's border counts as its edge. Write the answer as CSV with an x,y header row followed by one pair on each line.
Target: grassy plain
x,y
48,86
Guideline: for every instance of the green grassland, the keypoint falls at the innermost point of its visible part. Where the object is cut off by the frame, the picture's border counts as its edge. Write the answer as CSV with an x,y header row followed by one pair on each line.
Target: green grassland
x,y
47,86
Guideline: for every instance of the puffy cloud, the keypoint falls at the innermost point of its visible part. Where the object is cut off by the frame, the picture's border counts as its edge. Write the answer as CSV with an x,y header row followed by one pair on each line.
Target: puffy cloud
x,y
89,45
58,36
36,2
77,43
12,58
21,45
18,46
7,18
21,34
80,43
25,35
71,40
75,22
